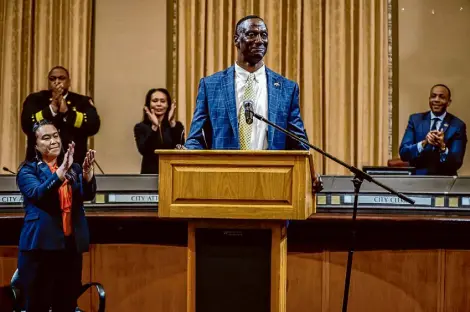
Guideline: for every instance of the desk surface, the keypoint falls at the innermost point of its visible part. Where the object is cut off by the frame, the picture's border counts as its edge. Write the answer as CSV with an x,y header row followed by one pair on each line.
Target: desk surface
x,y
435,196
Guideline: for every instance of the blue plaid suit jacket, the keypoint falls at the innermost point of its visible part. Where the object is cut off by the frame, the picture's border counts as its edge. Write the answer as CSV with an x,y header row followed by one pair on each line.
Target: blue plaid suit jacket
x,y
215,123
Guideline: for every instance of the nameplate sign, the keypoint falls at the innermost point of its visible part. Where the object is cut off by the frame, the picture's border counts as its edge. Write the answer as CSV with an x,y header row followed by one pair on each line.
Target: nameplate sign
x,y
387,200
11,199
133,198
465,201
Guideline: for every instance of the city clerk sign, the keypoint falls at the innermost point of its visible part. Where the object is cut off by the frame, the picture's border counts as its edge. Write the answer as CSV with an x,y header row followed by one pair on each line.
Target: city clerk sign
x,y
387,200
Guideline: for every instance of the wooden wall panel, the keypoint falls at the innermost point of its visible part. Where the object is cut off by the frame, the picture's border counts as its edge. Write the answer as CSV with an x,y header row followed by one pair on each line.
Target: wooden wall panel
x,y
141,277
406,266
304,282
8,263
457,281
85,300
153,278
386,281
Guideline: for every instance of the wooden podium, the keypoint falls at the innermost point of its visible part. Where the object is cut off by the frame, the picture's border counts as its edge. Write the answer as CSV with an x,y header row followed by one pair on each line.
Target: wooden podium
x,y
237,203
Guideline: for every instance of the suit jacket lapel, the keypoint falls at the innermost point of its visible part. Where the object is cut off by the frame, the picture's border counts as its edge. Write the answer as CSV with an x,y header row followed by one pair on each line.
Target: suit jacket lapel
x,y
44,168
446,122
228,85
426,124
274,90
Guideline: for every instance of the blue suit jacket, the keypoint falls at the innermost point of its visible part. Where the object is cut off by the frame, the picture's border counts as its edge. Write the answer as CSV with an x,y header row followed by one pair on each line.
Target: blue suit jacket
x,y
429,160
215,123
42,228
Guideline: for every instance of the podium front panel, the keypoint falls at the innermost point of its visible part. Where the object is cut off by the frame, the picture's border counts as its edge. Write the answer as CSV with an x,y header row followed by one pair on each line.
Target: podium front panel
x,y
235,186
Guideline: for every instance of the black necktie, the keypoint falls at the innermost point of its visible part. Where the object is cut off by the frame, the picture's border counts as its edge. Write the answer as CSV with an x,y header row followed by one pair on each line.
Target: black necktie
x,y
434,123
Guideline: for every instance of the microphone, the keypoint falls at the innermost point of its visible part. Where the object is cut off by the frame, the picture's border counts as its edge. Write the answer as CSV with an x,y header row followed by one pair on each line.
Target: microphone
x,y
8,170
248,105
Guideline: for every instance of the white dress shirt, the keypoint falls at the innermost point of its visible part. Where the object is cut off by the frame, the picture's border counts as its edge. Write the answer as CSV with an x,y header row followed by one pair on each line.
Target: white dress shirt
x,y
259,132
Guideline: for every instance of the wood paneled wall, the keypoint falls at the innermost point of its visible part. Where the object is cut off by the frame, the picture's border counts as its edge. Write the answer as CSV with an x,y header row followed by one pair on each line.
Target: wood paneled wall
x,y
152,276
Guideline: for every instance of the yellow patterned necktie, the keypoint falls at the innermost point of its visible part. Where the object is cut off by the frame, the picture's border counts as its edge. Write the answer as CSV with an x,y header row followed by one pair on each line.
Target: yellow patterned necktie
x,y
244,129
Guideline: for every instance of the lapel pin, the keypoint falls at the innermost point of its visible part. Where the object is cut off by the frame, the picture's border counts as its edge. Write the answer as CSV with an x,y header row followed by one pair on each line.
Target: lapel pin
x,y
277,84
68,102
446,125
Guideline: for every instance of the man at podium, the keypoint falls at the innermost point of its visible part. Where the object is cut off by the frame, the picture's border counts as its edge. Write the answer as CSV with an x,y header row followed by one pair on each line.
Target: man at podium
x,y
219,120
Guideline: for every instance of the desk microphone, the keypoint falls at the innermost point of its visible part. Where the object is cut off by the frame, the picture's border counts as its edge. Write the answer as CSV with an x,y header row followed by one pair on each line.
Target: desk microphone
x,y
248,106
8,170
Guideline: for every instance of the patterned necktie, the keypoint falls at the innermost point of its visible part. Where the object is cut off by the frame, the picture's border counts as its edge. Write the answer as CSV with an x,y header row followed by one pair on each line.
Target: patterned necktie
x,y
244,129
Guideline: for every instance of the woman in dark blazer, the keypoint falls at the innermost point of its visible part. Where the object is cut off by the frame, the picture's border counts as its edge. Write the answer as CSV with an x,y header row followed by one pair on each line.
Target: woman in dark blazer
x,y
55,231
158,129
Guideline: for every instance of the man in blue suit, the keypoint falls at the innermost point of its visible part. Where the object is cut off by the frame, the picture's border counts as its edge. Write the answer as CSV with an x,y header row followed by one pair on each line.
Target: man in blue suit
x,y
435,141
219,118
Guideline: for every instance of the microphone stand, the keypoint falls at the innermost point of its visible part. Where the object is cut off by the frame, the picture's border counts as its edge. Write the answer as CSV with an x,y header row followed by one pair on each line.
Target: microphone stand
x,y
359,177
101,170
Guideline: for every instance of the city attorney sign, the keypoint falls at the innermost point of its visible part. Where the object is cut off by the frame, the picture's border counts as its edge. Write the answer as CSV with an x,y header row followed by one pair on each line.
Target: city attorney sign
x,y
133,198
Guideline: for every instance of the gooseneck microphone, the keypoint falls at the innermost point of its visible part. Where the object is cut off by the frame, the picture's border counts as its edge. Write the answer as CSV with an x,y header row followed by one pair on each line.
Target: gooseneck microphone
x,y
248,106
8,170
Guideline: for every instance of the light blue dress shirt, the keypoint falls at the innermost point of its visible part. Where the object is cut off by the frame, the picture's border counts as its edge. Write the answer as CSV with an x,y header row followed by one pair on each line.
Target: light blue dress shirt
x,y
438,126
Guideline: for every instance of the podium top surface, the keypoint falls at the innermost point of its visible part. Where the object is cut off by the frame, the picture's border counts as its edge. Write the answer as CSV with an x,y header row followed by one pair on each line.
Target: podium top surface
x,y
233,152
236,184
